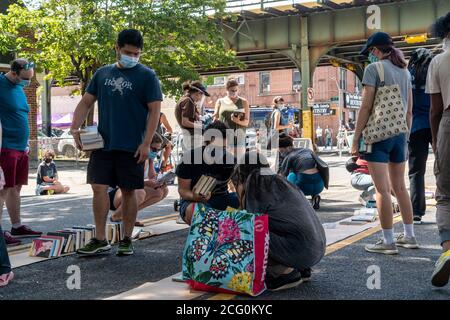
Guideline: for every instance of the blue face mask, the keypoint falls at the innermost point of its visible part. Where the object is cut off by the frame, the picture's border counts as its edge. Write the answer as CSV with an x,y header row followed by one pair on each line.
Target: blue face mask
x,y
24,83
128,62
373,58
152,155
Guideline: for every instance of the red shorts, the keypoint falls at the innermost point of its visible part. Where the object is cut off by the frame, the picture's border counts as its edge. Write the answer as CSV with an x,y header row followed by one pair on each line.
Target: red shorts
x,y
15,166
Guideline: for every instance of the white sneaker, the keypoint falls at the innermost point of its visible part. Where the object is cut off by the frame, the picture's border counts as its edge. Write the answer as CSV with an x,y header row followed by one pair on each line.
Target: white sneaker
x,y
180,220
362,201
405,242
381,247
441,273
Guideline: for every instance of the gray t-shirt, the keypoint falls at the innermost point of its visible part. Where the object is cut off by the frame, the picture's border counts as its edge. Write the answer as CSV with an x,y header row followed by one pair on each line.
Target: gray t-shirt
x,y
392,75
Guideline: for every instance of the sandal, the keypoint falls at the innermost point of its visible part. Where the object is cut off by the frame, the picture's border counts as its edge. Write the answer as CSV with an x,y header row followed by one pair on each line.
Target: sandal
x,y
6,278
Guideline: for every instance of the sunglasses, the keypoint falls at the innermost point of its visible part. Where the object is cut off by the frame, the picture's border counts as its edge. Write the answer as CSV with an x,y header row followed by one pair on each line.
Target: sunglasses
x,y
28,66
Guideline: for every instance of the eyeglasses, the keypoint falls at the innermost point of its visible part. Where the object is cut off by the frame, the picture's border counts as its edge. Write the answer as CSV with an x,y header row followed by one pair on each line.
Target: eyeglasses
x,y
28,66
154,149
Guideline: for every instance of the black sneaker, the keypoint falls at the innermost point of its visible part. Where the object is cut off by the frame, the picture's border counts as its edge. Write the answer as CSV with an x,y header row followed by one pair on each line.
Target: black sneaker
x,y
285,281
125,247
306,274
94,247
417,220
316,202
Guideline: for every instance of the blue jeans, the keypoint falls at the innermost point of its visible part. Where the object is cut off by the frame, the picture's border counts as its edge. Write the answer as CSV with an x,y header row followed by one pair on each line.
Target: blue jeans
x,y
310,184
5,264
220,202
364,183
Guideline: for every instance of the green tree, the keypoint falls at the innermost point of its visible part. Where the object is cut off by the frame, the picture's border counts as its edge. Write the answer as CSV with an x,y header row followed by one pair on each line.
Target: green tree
x,y
76,37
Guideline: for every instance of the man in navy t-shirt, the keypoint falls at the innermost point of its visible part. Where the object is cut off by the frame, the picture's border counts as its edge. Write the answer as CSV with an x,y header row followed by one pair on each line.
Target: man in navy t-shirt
x,y
129,101
14,111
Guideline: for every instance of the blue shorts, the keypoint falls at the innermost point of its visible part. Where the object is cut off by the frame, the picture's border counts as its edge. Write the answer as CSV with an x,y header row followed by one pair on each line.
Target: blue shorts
x,y
216,202
393,150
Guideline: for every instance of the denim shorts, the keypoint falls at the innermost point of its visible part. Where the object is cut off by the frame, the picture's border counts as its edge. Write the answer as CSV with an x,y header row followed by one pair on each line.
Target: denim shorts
x,y
393,150
220,202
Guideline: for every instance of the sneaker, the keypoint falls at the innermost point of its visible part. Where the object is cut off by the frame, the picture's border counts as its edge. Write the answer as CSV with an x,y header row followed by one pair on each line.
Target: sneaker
x,y
125,247
285,281
362,201
24,232
180,220
441,273
316,202
94,247
306,274
381,247
6,278
409,243
10,240
417,220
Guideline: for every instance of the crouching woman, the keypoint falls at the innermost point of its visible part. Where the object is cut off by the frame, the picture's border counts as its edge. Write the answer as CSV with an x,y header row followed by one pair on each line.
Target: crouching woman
x,y
297,238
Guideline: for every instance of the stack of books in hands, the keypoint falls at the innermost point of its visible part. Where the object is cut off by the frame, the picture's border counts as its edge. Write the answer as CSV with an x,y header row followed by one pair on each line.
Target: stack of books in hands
x,y
91,139
205,185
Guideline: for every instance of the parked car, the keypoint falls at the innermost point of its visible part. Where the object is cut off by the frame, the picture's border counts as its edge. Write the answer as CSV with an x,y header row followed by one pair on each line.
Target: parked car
x,y
66,145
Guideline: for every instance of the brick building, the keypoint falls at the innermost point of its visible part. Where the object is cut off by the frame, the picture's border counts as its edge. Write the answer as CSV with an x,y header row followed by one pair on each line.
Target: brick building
x,y
328,82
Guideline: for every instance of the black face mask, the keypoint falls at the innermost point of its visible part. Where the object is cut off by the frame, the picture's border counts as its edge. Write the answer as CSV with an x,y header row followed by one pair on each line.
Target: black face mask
x,y
48,160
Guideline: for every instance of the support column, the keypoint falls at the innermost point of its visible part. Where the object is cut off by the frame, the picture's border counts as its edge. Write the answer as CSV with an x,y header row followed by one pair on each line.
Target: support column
x,y
46,111
307,114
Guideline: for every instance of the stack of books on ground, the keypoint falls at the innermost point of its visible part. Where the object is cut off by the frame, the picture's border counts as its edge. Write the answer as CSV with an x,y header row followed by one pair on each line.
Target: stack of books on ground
x,y
60,242
69,240
116,232
361,217
91,139
365,215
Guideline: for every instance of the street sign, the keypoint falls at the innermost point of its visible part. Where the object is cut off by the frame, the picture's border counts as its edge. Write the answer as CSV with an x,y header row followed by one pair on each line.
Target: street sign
x,y
352,101
310,96
322,109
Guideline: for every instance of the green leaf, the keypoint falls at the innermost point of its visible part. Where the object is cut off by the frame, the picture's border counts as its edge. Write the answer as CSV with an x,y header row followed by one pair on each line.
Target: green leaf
x,y
203,277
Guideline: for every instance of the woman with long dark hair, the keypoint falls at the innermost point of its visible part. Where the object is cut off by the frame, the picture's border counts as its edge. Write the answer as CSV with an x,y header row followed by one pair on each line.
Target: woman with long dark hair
x,y
387,160
297,238
420,138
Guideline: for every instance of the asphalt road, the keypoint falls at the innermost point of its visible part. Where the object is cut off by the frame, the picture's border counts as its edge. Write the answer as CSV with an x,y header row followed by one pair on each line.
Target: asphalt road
x,y
340,275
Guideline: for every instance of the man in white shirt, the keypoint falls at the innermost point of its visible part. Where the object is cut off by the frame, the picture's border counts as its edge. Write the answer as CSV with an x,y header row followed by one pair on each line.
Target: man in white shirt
x,y
438,86
319,134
